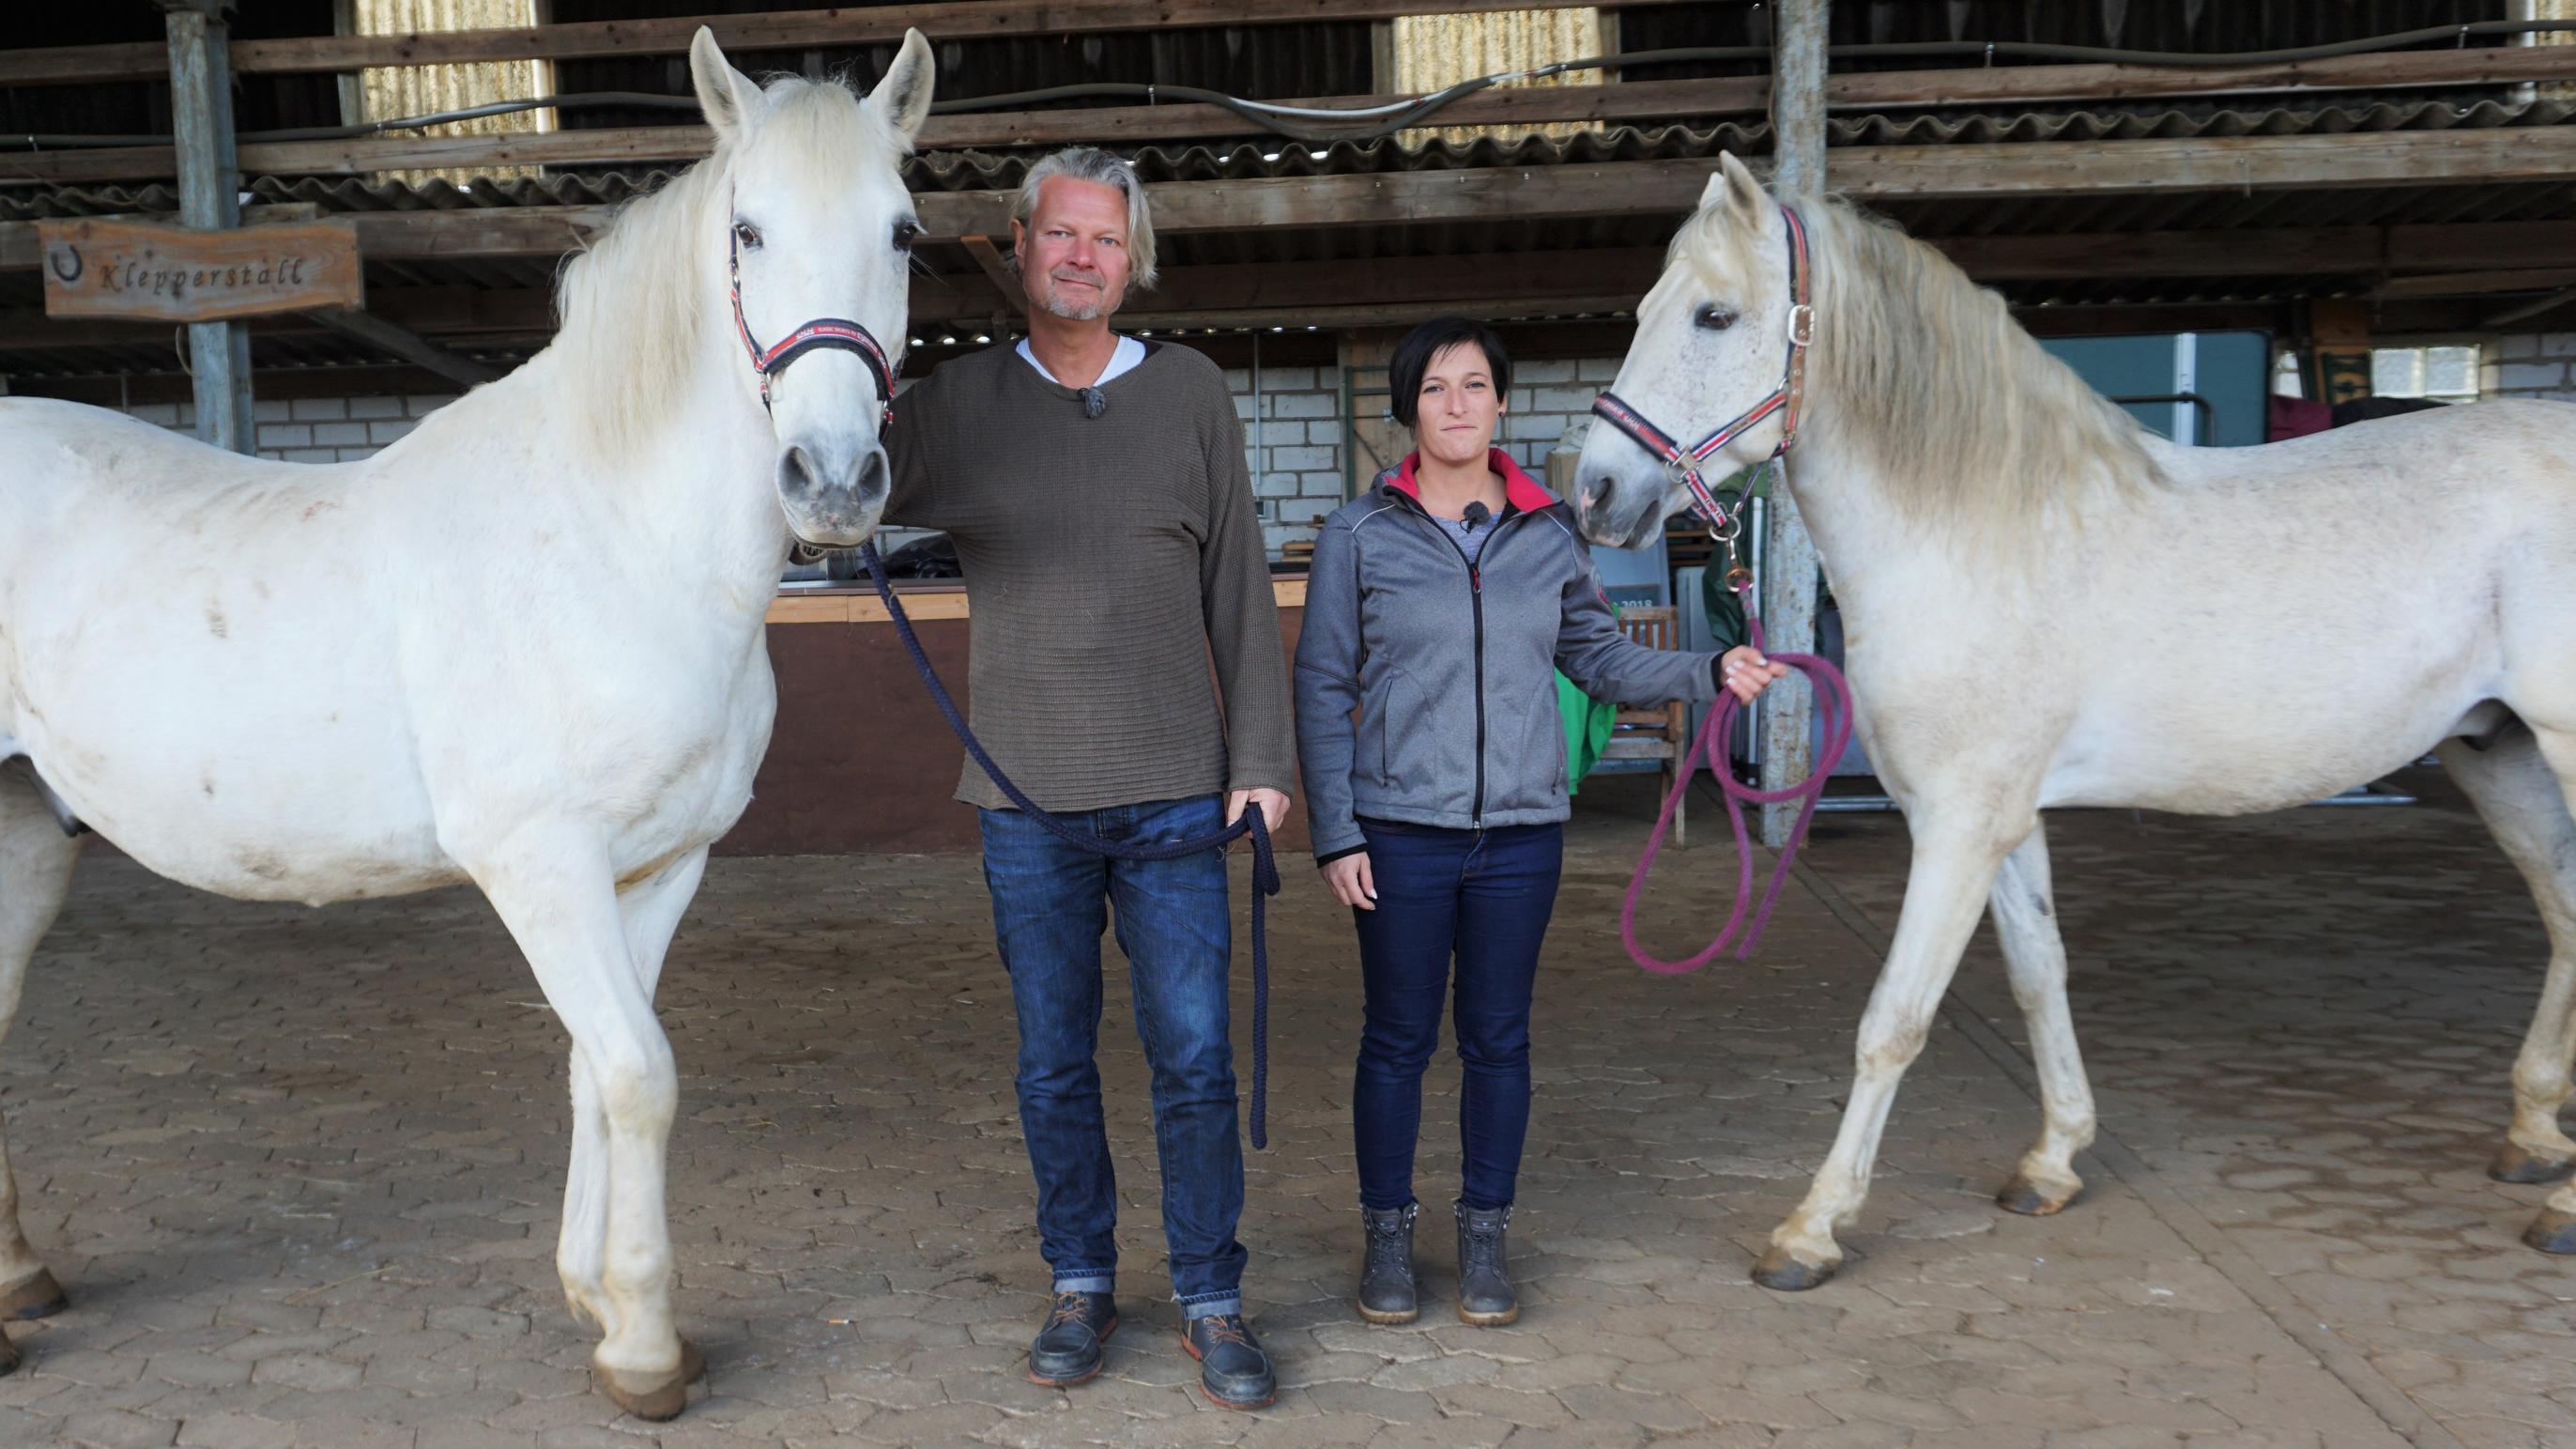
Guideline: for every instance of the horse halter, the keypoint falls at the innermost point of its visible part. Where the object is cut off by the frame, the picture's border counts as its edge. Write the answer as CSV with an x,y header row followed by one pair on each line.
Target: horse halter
x,y
1682,464
838,332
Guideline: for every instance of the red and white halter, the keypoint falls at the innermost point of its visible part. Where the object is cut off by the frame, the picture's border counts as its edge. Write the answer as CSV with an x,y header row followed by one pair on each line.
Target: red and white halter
x,y
836,332
1682,464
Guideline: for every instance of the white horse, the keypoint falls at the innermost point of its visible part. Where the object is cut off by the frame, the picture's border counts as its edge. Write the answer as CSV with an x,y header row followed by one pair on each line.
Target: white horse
x,y
562,692
2044,605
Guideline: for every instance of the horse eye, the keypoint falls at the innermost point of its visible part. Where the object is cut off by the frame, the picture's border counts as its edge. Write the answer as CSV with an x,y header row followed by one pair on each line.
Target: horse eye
x,y
1713,317
906,232
747,235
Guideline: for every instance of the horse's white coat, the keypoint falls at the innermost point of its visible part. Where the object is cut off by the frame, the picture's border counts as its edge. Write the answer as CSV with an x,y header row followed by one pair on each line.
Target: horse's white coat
x,y
2044,605
520,647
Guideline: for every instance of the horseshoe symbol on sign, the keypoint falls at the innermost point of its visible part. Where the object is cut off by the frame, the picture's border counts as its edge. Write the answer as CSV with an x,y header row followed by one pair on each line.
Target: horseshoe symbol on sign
x,y
57,257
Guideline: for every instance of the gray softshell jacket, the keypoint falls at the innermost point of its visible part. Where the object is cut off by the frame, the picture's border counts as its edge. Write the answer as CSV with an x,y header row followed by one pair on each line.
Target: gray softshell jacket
x,y
1452,668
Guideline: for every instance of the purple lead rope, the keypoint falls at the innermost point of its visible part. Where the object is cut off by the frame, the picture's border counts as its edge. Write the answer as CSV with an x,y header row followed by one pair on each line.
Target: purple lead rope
x,y
1833,697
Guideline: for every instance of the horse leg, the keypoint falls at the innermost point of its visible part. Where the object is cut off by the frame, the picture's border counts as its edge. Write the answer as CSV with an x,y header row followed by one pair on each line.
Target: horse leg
x,y
2520,798
552,885
36,861
651,911
2035,959
1956,853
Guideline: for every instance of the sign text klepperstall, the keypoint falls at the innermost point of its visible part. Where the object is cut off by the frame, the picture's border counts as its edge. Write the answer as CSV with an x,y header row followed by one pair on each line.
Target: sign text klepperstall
x,y
141,270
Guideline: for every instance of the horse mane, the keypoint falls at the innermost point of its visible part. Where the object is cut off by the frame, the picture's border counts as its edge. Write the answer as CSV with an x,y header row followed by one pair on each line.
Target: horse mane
x,y
630,308
1962,415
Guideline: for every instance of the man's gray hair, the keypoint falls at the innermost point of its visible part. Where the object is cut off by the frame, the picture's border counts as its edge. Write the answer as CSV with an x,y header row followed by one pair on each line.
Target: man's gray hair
x,y
1090,163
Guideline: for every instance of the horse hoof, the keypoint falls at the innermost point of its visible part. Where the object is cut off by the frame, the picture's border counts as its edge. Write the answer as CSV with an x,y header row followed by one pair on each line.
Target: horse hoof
x,y
2027,1198
2552,1232
1781,1273
662,1401
36,1297
2516,1163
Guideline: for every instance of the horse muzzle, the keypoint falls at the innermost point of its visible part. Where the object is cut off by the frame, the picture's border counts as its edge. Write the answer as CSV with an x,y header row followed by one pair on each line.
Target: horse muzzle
x,y
1616,504
833,495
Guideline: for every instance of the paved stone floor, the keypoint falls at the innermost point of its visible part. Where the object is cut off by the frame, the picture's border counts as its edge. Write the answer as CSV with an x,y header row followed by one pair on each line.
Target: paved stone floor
x,y
299,1171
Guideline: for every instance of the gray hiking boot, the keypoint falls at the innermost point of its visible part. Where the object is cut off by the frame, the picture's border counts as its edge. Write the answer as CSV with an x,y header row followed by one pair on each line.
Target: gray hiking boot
x,y
1485,1296
1386,1272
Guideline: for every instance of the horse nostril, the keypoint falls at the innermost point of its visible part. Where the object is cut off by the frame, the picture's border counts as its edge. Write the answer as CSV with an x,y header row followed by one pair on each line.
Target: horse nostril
x,y
873,478
796,472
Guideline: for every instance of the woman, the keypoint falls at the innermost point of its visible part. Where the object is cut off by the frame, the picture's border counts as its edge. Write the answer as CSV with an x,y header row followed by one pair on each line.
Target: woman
x,y
1441,605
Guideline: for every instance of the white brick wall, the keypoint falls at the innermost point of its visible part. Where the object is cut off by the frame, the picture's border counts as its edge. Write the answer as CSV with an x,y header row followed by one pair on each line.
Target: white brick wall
x,y
314,430
1295,448
2535,365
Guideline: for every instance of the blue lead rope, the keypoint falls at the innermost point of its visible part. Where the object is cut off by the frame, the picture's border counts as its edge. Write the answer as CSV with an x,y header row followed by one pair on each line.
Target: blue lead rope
x,y
1265,867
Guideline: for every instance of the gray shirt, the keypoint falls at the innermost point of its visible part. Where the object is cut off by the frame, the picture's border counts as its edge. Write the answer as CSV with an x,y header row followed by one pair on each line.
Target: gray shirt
x,y
1470,541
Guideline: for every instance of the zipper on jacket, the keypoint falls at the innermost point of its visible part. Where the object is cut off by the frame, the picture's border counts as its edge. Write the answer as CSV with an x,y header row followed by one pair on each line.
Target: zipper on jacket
x,y
1476,600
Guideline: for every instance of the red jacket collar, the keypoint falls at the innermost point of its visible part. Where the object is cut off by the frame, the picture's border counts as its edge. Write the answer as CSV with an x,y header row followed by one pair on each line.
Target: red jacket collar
x,y
1519,491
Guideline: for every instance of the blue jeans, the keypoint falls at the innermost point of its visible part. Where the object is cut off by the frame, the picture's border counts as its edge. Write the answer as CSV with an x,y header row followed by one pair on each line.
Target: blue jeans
x,y
1482,898
1050,903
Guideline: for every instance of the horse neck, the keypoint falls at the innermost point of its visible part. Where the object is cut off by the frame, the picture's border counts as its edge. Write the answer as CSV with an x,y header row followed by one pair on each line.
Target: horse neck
x,y
690,498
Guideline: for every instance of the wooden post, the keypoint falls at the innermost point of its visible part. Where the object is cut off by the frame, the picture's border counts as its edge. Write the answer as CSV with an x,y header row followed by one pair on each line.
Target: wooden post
x,y
201,113
1375,442
2339,349
1789,568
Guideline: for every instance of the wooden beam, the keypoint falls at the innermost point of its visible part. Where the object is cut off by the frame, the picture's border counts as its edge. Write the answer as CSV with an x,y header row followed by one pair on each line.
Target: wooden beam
x,y
2410,159
407,345
1382,314
1652,188
2130,319
785,30
2288,251
2470,284
988,258
2394,70
1272,292
282,382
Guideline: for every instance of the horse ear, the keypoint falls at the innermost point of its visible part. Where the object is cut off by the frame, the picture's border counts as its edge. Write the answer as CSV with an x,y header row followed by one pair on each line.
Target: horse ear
x,y
903,96
725,94
1735,190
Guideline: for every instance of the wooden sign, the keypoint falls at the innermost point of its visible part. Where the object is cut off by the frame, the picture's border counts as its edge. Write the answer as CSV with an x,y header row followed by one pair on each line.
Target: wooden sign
x,y
141,270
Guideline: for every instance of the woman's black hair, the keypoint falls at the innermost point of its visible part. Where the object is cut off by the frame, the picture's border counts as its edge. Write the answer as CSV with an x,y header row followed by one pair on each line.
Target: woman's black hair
x,y
1413,358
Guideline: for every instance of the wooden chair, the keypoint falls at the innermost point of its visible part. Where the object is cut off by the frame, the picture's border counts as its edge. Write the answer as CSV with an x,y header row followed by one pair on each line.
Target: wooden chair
x,y
1663,732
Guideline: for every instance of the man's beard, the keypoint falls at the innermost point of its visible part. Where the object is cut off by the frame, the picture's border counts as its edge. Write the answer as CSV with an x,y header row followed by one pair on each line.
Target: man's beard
x,y
1055,305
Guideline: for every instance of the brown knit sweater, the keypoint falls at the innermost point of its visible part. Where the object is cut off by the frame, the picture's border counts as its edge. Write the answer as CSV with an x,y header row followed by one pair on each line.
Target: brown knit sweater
x,y
1107,561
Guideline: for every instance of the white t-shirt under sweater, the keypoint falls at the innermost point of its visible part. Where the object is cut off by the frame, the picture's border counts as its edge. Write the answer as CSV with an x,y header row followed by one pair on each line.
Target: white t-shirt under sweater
x,y
1129,353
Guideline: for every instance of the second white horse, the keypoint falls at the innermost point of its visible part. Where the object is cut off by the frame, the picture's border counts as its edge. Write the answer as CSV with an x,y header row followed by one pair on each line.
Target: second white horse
x,y
2044,605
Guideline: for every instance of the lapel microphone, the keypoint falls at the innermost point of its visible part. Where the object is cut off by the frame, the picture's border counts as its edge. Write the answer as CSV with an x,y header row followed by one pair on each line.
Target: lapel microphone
x,y
1476,515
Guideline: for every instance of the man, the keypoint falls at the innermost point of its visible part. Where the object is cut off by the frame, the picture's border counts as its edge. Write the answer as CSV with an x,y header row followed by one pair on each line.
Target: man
x,y
1095,487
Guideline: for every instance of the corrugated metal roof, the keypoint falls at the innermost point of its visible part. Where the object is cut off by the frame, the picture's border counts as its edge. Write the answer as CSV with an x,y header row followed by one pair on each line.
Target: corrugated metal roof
x,y
977,170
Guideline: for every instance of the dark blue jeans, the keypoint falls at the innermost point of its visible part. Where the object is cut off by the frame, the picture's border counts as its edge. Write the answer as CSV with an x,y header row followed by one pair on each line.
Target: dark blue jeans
x,y
1480,899
1050,903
